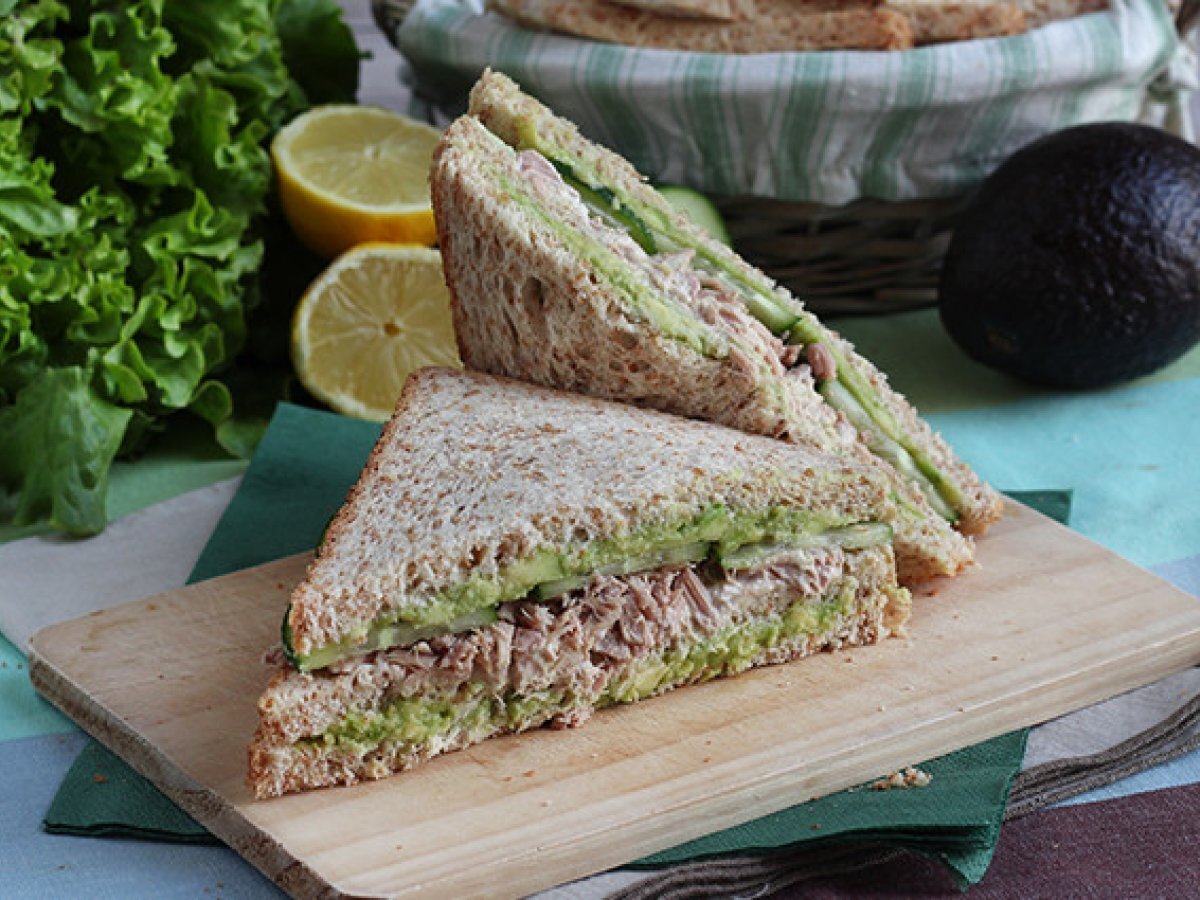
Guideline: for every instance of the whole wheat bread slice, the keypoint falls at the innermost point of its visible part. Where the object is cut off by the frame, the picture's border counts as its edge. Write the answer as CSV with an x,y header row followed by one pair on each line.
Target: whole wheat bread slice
x,y
941,21
788,27
474,473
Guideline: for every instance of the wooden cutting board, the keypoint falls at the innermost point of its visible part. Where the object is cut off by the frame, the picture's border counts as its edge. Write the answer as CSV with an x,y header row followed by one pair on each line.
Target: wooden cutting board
x,y
1048,622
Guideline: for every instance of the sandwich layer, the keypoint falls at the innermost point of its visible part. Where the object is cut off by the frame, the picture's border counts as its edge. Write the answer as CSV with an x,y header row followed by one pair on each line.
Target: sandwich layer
x,y
613,640
481,490
864,395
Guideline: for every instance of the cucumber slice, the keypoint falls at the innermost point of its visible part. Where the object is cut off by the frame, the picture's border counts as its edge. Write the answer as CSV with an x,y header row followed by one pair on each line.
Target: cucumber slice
x,y
652,230
883,446
604,203
673,556
548,590
399,634
698,208
851,537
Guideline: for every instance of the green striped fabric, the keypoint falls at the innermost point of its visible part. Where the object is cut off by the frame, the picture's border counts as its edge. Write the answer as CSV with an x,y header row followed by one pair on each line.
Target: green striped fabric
x,y
828,127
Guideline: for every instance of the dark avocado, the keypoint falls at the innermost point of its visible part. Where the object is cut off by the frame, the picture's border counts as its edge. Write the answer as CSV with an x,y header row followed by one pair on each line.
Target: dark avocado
x,y
1077,263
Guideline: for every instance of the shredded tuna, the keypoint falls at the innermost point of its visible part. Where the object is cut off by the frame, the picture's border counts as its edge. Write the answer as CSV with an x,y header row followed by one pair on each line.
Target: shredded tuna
x,y
790,574
578,643
542,177
791,355
821,360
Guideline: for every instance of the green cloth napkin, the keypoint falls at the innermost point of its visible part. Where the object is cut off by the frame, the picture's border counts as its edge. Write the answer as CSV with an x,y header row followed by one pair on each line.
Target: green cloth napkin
x,y
298,479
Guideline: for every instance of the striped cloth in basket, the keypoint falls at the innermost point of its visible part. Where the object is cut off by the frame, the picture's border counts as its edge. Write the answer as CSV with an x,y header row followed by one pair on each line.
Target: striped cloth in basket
x,y
825,127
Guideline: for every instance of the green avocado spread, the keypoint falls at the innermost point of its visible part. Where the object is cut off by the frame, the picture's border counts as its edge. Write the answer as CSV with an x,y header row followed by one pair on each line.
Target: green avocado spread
x,y
414,721
716,531
667,315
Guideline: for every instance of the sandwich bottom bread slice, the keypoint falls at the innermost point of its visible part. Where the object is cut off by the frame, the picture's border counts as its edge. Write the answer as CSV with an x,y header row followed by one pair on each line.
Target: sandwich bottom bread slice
x,y
513,557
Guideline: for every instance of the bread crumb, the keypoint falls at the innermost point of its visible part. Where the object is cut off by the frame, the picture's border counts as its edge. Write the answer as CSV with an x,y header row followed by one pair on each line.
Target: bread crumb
x,y
910,777
99,779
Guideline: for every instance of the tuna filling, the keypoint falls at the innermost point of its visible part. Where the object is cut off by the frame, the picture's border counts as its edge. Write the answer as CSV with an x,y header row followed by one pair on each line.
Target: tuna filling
x,y
615,640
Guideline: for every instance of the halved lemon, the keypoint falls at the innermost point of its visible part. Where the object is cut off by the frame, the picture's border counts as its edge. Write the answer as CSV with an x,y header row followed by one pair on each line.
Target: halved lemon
x,y
350,175
377,313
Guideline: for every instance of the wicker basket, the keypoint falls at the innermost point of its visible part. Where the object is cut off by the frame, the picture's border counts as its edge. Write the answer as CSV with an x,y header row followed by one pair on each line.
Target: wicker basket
x,y
868,256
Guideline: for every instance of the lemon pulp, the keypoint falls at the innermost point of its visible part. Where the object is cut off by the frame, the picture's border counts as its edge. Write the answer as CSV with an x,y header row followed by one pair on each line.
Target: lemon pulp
x,y
350,175
376,314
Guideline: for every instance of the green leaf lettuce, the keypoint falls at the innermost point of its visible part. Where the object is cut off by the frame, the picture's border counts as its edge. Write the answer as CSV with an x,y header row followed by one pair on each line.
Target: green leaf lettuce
x,y
134,193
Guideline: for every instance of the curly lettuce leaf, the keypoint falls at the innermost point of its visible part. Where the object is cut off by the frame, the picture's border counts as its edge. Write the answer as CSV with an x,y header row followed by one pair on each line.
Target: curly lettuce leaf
x,y
28,54
115,101
319,50
60,440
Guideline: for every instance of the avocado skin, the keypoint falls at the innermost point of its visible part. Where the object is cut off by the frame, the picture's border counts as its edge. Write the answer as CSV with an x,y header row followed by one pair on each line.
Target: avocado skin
x,y
1077,263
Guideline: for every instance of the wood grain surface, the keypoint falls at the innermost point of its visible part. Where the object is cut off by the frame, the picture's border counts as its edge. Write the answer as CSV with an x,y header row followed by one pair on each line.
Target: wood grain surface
x,y
1048,622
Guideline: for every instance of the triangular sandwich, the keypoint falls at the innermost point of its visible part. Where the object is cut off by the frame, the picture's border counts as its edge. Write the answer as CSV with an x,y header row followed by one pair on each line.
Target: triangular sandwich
x,y
513,556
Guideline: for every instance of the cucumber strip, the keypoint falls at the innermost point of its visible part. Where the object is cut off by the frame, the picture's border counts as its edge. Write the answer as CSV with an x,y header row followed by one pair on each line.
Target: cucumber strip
x,y
852,537
883,446
809,331
673,556
672,319
604,203
764,308
658,236
399,634
698,208
548,590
